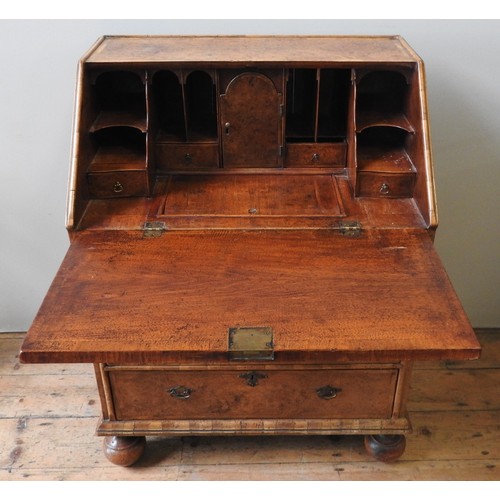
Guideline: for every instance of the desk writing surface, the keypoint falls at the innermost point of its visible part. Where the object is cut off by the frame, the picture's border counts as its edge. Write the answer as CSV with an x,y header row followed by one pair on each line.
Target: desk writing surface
x,y
122,298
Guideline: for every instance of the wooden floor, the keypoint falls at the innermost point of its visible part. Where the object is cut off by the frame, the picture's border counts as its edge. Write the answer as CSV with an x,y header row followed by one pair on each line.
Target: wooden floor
x,y
48,415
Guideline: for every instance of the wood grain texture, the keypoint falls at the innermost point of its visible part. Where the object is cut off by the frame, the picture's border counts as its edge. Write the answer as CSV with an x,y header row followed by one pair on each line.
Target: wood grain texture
x,y
316,154
280,394
251,122
131,213
183,291
252,196
241,49
254,427
454,443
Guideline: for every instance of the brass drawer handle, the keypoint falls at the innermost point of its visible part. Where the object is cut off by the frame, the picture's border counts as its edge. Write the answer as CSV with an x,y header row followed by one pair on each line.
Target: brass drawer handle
x,y
315,157
327,392
180,392
118,187
384,188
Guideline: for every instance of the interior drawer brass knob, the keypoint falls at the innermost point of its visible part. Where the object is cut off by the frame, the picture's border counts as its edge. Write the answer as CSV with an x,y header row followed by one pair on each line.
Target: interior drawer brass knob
x,y
118,187
384,188
327,392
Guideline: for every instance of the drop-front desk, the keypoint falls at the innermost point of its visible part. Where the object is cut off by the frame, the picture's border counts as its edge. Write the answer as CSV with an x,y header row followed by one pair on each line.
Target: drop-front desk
x,y
251,223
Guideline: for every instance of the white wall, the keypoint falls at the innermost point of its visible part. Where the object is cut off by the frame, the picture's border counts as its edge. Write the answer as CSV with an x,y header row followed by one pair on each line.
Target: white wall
x,y
37,82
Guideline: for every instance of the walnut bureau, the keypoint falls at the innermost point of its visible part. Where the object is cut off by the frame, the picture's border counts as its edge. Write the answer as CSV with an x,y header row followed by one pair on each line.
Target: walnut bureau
x,y
251,223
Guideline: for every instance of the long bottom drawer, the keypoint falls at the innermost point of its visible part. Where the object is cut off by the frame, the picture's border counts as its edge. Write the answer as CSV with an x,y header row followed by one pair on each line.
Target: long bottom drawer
x,y
159,394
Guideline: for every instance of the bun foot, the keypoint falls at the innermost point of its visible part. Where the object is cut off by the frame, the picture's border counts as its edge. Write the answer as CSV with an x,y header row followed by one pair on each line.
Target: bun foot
x,y
124,450
385,447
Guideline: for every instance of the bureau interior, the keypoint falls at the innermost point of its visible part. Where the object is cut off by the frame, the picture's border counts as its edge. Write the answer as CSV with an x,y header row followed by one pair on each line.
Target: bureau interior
x,y
146,131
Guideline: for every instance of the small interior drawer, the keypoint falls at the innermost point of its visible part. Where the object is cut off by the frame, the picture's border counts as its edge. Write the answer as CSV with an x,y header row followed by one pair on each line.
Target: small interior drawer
x,y
385,185
117,184
186,156
157,394
316,154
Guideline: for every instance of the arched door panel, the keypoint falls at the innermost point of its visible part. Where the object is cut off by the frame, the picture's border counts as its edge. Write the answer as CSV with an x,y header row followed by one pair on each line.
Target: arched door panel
x,y
251,122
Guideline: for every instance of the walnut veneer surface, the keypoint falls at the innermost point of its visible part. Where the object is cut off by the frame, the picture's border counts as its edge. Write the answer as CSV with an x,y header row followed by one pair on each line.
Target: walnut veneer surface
x,y
120,297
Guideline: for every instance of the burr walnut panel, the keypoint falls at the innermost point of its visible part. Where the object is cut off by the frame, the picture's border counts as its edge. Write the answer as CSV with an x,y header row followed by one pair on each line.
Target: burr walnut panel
x,y
153,394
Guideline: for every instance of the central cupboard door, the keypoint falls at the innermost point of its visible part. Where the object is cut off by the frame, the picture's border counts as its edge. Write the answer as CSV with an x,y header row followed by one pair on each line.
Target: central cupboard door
x,y
251,122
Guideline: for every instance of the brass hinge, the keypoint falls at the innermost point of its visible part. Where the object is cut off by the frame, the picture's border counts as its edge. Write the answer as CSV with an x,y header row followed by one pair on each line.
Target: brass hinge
x,y
153,229
350,228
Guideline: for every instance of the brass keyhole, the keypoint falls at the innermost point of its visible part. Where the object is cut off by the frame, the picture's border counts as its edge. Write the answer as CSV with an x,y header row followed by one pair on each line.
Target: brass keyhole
x,y
188,158
227,126
315,157
253,378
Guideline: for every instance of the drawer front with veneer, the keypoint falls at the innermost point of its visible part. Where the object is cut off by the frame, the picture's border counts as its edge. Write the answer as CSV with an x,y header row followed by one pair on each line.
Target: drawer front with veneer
x,y
186,156
156,394
118,184
385,185
316,155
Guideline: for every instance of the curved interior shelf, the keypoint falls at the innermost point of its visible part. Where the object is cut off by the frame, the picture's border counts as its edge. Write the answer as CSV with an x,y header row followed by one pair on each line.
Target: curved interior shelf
x,y
383,119
120,101
120,118
382,100
384,149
